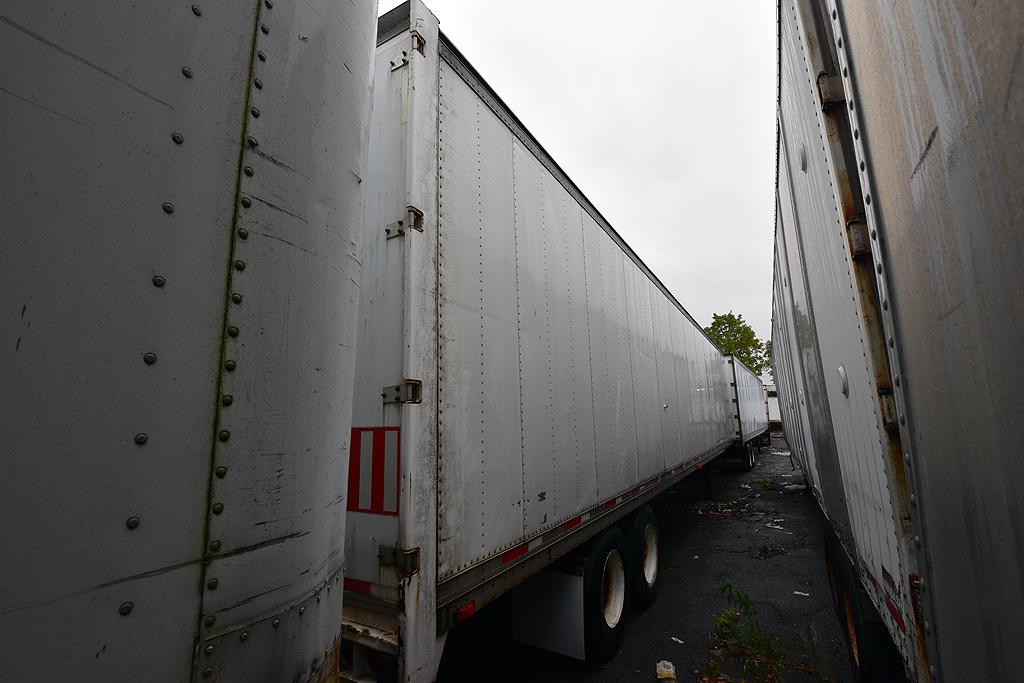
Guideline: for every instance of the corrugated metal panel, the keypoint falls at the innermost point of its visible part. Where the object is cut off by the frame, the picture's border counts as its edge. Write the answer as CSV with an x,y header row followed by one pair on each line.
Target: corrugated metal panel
x,y
591,326
939,106
156,225
854,409
753,417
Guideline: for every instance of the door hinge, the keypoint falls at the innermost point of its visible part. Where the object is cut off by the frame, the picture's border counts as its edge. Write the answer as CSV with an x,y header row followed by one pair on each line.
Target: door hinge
x,y
413,220
830,91
860,246
887,403
405,561
409,391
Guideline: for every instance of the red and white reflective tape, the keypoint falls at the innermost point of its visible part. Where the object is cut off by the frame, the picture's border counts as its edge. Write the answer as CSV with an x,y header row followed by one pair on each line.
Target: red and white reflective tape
x,y
373,470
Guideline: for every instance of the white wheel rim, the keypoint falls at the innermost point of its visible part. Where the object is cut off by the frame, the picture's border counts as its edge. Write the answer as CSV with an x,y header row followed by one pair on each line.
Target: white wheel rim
x,y
613,588
650,555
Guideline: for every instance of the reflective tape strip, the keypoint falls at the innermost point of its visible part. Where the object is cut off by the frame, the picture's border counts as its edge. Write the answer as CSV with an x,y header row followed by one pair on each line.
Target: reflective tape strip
x,y
374,471
357,586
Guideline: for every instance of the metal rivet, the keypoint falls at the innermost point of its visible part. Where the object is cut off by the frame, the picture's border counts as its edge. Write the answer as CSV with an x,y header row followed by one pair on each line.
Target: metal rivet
x,y
224,435
302,610
874,234
207,672
141,438
265,29
210,620
244,636
178,138
903,419
213,583
318,597
218,508
851,105
230,365
248,171
867,199
243,233
878,268
253,142
862,166
214,546
196,10
236,298
246,202
159,281
839,42
259,86
209,649
232,331
167,207
892,342
125,609
262,55
856,134
931,669
149,358
227,399
833,15
239,265
275,623
845,72
269,4
913,499
187,72
885,304
906,458
897,378
221,472
132,522
255,112
917,541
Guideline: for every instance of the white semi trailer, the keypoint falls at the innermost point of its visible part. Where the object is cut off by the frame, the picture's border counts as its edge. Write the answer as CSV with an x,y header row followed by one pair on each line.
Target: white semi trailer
x,y
524,382
898,323
180,211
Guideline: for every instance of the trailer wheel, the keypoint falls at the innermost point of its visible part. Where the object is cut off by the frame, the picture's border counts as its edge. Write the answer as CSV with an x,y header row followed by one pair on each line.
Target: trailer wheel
x,y
644,550
873,653
604,596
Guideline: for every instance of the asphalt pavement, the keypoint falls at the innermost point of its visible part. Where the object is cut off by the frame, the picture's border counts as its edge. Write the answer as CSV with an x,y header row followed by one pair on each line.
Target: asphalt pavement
x,y
759,531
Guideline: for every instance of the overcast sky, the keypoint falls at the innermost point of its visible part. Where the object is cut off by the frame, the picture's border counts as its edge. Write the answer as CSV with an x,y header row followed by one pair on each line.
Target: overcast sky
x,y
663,113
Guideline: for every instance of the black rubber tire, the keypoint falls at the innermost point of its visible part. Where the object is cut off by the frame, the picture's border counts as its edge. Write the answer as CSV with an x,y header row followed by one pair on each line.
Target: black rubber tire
x,y
642,593
601,640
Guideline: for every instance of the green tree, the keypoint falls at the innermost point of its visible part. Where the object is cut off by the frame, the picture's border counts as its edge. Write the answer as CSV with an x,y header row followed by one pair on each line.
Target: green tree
x,y
733,335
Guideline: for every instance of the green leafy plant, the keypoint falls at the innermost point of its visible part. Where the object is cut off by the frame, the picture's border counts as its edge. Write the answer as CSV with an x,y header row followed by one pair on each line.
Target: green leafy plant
x,y
739,637
733,335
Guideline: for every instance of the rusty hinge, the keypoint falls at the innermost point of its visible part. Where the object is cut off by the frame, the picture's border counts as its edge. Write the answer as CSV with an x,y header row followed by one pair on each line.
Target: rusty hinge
x,y
409,391
830,91
405,561
887,402
860,246
413,220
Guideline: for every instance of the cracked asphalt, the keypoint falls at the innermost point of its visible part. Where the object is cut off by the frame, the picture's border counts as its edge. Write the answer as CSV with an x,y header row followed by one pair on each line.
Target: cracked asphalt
x,y
752,532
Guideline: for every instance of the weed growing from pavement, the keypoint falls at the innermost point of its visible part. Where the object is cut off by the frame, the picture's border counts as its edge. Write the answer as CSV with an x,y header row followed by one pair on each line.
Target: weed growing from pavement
x,y
738,638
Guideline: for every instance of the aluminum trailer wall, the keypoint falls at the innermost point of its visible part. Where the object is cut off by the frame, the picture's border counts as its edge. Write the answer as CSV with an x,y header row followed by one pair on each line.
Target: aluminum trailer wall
x,y
897,285
180,196
751,412
523,380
